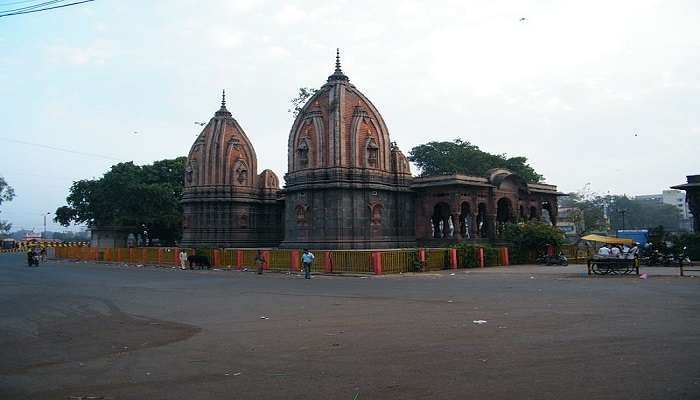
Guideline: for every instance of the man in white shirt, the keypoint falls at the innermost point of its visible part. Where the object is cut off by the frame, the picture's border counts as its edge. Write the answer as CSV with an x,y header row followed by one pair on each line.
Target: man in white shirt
x,y
634,251
615,251
604,251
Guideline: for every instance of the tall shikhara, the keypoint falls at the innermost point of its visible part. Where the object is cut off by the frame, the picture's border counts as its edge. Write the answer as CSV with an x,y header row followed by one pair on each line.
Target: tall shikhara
x,y
348,184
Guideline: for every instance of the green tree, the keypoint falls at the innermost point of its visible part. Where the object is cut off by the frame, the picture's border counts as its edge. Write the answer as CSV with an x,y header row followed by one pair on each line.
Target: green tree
x,y
530,239
7,193
298,102
146,198
640,214
437,158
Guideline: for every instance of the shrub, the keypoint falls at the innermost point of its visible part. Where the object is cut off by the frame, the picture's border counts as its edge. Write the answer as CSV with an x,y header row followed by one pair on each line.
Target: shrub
x,y
529,239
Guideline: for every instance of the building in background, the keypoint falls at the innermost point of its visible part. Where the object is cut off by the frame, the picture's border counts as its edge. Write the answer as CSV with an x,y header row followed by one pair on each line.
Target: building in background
x,y
571,221
676,198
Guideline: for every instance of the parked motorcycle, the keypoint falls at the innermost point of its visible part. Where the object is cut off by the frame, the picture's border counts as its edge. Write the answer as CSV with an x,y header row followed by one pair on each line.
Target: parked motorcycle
x,y
559,259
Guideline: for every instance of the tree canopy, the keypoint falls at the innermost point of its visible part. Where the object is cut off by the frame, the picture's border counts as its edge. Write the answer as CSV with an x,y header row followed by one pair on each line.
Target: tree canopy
x,y
145,198
298,102
438,158
638,214
7,193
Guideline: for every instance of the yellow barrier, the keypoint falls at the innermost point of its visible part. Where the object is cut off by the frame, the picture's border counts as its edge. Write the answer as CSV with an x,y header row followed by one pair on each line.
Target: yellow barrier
x,y
399,261
336,261
435,259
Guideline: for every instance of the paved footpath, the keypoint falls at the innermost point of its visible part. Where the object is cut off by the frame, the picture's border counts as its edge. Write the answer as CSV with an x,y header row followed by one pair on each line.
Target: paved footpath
x,y
74,330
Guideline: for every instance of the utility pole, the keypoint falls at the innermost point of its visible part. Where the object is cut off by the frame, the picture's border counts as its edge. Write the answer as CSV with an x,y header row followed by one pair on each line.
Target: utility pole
x,y
44,235
623,218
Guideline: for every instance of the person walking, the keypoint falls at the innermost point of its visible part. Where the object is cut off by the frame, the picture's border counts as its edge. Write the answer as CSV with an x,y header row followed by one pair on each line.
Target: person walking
x,y
306,259
183,259
259,262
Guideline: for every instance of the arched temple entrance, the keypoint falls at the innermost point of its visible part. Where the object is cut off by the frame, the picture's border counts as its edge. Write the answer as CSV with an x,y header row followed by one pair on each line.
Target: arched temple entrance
x,y
504,214
466,221
441,221
547,213
481,225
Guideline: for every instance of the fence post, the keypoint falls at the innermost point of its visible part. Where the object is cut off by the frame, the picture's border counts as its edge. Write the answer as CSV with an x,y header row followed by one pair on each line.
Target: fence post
x,y
160,256
328,263
480,257
217,258
421,256
239,259
266,257
453,258
377,262
505,258
294,260
176,256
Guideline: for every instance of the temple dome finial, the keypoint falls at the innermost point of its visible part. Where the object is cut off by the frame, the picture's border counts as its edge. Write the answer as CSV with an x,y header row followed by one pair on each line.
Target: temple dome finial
x,y
338,74
338,70
223,112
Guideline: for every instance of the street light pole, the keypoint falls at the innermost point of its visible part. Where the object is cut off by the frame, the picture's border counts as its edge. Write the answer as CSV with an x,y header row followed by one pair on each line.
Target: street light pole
x,y
44,235
623,218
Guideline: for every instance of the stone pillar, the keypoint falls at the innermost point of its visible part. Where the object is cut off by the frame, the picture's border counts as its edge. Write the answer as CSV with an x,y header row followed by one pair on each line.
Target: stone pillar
x,y
490,223
457,226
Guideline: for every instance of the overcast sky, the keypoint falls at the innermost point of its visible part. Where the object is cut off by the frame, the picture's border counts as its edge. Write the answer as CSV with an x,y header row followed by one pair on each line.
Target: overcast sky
x,y
569,87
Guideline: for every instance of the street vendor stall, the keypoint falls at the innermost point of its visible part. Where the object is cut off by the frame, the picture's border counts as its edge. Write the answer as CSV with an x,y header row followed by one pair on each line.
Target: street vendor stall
x,y
602,265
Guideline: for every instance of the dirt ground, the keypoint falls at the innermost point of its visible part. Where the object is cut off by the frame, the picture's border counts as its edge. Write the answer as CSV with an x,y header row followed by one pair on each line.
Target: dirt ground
x,y
89,331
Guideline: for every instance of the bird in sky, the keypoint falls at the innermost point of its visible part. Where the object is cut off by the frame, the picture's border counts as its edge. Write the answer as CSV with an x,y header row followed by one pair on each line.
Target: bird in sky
x,y
635,135
523,19
200,123
135,132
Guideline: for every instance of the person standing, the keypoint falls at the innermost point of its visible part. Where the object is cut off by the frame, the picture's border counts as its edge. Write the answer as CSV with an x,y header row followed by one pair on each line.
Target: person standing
x,y
306,259
259,262
183,259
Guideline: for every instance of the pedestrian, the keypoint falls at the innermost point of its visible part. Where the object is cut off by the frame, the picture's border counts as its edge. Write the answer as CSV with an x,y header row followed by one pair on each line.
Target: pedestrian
x,y
42,254
306,259
183,259
259,262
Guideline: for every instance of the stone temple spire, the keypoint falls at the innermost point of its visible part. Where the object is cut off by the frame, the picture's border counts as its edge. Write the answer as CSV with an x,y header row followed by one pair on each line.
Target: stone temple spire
x,y
338,74
223,112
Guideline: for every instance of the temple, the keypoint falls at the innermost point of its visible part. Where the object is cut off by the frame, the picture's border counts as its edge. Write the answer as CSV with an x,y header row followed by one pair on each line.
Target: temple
x,y
347,186
692,196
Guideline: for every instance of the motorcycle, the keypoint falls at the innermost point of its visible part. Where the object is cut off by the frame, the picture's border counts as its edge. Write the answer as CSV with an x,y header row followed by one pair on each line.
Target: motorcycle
x,y
559,259
33,260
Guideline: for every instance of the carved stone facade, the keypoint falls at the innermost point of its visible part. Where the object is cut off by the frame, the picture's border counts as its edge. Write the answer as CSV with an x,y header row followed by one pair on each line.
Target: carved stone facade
x,y
460,207
348,186
226,203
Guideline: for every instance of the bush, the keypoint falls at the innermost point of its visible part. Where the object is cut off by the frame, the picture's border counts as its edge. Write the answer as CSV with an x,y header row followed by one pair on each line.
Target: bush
x,y
530,239
466,255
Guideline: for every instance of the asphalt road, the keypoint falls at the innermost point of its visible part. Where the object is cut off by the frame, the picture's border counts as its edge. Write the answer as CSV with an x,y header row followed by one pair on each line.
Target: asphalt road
x,y
80,331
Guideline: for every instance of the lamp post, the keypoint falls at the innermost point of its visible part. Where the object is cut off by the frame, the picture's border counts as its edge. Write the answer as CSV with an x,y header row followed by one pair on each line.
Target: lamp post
x,y
44,234
622,212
